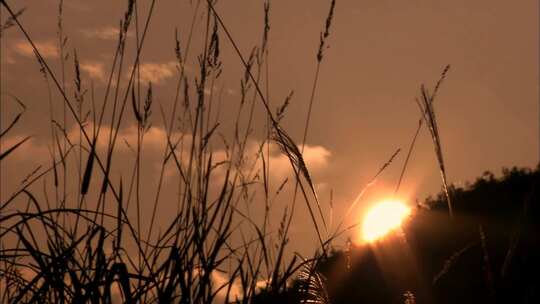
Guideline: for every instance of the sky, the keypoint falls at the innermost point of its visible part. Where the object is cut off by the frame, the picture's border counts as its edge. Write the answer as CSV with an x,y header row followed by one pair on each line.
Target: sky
x,y
380,52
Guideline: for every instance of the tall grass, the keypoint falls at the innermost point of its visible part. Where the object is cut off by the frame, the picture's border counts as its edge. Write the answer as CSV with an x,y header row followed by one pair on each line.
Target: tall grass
x,y
426,107
92,246
101,246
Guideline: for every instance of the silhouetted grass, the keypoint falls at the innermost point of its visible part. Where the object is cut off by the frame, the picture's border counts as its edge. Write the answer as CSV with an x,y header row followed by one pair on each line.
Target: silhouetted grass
x,y
93,247
90,247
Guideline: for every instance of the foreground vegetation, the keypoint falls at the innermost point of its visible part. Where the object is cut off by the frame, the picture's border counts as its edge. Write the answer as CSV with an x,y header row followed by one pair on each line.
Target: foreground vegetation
x,y
78,231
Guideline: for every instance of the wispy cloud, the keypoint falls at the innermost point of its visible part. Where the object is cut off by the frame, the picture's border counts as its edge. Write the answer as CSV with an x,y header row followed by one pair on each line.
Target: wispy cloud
x,y
223,283
157,73
316,159
29,152
155,138
47,49
103,33
94,70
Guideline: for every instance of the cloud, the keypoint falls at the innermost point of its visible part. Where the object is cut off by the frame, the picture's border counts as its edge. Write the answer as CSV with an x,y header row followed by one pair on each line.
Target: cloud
x,y
104,33
315,157
222,282
157,73
153,144
47,49
94,70
30,150
155,138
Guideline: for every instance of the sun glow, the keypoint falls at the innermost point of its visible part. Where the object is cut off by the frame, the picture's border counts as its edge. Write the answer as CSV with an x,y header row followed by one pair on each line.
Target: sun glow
x,y
383,218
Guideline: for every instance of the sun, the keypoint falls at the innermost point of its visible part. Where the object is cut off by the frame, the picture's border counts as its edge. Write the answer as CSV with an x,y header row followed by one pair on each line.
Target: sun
x,y
383,218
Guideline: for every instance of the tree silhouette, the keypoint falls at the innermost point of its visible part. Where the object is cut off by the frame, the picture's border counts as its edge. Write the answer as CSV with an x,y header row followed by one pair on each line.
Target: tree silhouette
x,y
488,253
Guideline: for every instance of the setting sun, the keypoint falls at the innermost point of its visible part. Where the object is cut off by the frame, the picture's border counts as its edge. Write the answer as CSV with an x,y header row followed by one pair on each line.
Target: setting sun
x,y
382,218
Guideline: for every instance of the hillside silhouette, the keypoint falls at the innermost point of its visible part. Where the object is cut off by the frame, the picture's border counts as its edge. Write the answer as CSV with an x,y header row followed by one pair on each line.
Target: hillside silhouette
x,y
488,253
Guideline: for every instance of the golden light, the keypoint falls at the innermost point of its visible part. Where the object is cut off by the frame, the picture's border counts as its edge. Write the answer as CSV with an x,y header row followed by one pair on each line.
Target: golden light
x,y
383,218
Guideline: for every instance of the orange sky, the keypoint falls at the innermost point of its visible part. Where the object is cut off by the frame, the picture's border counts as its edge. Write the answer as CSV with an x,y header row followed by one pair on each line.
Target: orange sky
x,y
380,52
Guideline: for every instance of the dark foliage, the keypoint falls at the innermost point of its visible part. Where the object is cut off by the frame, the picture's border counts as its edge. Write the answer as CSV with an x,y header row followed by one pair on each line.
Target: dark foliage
x,y
488,253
